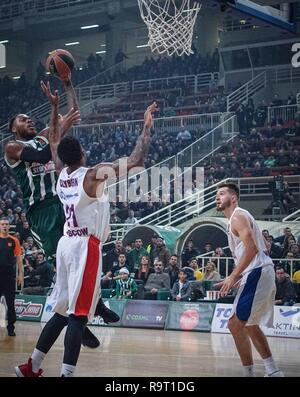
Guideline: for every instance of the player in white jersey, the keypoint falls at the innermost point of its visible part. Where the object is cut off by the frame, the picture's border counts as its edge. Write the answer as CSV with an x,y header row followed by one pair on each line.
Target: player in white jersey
x,y
254,272
86,206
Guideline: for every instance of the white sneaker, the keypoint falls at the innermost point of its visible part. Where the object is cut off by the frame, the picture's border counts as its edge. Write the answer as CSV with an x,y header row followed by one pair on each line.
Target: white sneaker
x,y
276,374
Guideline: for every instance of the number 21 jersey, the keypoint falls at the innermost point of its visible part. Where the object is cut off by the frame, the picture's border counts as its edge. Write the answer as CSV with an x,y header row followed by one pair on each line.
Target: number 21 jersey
x,y
85,216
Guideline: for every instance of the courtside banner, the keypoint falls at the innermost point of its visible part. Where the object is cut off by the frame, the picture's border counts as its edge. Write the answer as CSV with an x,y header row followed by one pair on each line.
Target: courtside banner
x,y
29,307
47,313
116,306
286,322
145,314
221,317
190,316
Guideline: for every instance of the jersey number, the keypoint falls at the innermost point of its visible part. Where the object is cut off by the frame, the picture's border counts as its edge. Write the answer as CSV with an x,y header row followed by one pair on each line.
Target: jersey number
x,y
70,215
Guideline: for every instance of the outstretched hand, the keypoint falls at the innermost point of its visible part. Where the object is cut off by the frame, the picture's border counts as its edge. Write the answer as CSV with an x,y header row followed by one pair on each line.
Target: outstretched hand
x,y
53,99
69,119
227,284
148,116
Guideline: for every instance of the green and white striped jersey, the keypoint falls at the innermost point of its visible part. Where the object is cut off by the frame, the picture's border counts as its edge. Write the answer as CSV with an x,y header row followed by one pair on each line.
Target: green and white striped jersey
x,y
37,181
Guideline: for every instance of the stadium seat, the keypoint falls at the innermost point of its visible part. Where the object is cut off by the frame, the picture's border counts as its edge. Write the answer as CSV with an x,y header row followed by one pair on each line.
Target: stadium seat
x,y
163,295
106,293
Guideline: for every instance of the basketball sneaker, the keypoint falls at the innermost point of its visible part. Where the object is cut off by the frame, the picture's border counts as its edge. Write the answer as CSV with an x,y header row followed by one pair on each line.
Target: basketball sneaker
x,y
108,315
89,339
276,374
25,371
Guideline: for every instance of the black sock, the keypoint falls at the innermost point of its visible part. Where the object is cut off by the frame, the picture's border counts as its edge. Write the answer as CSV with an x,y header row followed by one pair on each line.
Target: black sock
x,y
73,338
51,332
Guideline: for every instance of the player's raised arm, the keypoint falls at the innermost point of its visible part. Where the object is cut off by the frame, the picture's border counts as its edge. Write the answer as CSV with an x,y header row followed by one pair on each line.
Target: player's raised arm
x,y
139,153
109,171
73,115
54,135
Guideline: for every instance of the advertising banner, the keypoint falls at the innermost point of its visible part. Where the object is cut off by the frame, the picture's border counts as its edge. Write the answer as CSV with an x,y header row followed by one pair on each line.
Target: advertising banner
x,y
188,316
286,321
47,313
145,314
221,317
29,307
115,305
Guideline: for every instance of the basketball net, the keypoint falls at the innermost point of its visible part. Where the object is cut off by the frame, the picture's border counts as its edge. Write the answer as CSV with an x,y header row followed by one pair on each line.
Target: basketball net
x,y
170,26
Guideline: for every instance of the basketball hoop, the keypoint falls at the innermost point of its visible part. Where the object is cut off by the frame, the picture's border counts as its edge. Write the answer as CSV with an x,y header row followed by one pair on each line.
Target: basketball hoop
x,y
170,26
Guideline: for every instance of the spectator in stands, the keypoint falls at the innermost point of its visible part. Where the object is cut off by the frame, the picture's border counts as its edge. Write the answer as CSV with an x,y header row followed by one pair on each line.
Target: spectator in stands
x,y
157,281
121,263
197,272
144,270
188,253
152,245
210,272
288,201
285,293
207,249
114,219
249,111
283,239
135,255
241,119
276,101
172,269
295,250
181,291
265,233
296,277
290,241
125,285
25,232
120,56
161,251
112,256
221,263
184,134
40,277
131,220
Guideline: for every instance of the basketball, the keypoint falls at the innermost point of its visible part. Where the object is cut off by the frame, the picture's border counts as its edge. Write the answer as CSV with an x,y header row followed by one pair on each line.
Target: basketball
x,y
60,64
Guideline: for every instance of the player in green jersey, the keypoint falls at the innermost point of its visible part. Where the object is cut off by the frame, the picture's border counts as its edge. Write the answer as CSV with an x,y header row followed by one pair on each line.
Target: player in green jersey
x,y
29,157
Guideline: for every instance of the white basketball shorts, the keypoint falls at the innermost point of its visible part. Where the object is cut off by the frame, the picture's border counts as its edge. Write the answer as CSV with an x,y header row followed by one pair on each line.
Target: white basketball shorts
x,y
78,266
254,301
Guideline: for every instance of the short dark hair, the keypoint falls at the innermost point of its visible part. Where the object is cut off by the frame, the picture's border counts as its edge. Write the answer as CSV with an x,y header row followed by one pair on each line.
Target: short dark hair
x,y
4,218
11,123
230,186
69,150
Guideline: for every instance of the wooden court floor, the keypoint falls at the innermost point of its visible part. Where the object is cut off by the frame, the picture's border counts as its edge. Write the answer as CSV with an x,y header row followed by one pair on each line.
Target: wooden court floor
x,y
148,353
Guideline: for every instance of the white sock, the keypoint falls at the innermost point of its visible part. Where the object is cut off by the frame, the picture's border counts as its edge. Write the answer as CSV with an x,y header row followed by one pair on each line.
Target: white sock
x,y
270,365
249,371
37,357
67,370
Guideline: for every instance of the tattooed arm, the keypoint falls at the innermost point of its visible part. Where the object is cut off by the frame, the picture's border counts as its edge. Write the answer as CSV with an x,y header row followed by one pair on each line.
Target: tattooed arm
x,y
120,167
